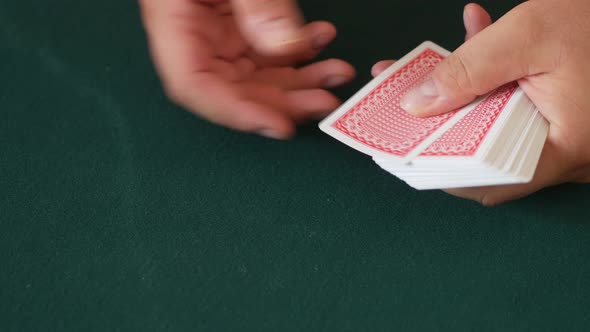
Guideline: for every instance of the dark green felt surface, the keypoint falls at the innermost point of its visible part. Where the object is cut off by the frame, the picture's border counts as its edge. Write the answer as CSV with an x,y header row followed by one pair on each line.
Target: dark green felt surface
x,y
120,211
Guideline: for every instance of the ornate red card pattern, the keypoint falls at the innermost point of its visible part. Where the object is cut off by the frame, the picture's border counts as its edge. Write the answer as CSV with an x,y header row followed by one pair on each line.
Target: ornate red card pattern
x,y
378,121
465,137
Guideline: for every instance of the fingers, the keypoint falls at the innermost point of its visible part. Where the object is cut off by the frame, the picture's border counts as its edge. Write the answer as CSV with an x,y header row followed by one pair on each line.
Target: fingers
x,y
324,74
319,34
252,107
298,105
505,51
300,92
272,26
197,80
380,66
311,104
225,104
475,19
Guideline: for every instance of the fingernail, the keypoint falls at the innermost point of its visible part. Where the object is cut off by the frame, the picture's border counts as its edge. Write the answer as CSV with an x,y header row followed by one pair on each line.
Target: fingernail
x,y
334,81
466,19
320,41
420,97
269,133
279,31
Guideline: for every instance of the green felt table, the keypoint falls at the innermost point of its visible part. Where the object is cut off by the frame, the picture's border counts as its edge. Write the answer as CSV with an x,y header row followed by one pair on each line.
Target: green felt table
x,y
120,211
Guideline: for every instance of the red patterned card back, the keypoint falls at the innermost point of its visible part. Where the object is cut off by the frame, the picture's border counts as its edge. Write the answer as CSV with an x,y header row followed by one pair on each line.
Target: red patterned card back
x,y
379,122
465,137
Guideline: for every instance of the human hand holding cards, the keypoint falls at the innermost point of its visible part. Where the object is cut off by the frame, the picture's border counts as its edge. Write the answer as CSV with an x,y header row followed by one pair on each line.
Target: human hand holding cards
x,y
496,139
503,116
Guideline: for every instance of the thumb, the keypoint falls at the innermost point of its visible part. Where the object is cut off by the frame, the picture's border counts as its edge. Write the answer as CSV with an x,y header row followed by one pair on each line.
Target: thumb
x,y
502,53
273,27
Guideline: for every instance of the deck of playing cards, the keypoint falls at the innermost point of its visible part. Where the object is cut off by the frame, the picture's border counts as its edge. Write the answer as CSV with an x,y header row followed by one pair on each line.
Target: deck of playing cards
x,y
497,139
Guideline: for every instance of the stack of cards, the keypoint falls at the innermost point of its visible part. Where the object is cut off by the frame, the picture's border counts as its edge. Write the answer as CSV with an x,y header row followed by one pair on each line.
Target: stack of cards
x,y
497,139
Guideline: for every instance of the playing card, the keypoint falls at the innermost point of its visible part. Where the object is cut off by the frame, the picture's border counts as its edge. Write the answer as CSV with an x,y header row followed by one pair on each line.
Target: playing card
x,y
373,122
497,139
525,150
522,173
465,138
473,138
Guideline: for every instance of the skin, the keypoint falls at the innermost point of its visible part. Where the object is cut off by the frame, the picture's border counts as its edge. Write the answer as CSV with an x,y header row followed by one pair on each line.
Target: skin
x,y
544,45
234,62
